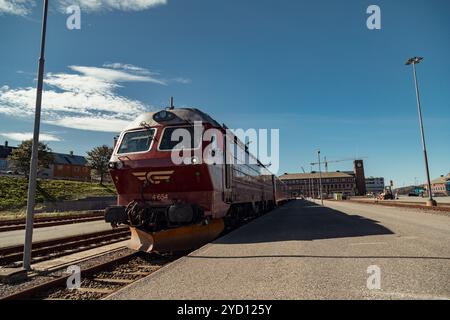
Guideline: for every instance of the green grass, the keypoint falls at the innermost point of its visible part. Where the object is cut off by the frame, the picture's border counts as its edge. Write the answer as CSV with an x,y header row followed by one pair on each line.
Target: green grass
x,y
22,213
13,191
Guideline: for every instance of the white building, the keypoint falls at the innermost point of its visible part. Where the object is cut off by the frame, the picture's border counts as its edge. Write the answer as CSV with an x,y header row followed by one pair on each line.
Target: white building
x,y
374,185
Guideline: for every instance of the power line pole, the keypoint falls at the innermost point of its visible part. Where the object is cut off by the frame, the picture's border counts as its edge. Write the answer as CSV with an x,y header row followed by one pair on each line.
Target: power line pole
x,y
35,149
413,62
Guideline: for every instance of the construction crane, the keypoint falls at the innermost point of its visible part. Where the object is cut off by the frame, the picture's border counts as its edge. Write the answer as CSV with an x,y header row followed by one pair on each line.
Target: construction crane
x,y
326,162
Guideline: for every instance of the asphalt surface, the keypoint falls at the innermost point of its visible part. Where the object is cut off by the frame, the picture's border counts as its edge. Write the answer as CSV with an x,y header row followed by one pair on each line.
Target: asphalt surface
x,y
439,200
304,251
16,237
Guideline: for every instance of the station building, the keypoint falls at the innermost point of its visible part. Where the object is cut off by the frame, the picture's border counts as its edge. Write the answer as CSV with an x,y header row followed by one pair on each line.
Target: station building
x,y
308,184
348,183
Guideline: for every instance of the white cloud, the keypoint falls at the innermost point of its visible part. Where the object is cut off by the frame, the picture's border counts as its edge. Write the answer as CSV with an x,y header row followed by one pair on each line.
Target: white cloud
x,y
123,5
23,7
103,124
16,7
85,100
182,80
114,75
129,67
21,136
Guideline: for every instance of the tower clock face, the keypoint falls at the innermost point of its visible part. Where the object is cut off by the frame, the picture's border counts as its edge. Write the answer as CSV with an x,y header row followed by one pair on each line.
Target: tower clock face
x,y
359,164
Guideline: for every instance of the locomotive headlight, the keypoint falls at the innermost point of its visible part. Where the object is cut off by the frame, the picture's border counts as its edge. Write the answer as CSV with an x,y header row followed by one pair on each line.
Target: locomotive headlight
x,y
194,160
115,165
119,164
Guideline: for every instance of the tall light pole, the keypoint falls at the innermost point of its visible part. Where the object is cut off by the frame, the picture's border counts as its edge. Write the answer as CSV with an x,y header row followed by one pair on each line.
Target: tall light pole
x,y
320,179
413,62
35,149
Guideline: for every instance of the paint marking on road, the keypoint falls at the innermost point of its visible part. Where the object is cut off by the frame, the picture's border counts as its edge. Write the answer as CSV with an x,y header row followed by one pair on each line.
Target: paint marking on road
x,y
366,243
408,237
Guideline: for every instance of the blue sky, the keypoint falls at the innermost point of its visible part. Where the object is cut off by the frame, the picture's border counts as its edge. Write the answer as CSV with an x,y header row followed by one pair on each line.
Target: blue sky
x,y
310,68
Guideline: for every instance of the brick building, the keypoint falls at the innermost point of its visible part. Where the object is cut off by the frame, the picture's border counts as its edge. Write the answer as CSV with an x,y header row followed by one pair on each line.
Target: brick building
x,y
69,167
308,184
349,183
65,166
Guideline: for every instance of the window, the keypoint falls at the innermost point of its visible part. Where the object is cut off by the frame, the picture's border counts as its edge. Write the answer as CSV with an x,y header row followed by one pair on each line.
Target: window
x,y
136,141
181,138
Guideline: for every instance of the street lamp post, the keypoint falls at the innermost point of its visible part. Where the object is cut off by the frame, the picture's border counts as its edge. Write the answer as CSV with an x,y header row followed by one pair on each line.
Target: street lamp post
x,y
320,179
413,62
35,149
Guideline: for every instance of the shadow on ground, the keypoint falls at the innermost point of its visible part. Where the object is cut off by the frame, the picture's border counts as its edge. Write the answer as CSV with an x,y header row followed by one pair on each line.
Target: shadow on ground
x,y
304,220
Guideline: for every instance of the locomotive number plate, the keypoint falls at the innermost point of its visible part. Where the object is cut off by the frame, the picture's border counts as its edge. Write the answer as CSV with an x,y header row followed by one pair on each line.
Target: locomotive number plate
x,y
160,196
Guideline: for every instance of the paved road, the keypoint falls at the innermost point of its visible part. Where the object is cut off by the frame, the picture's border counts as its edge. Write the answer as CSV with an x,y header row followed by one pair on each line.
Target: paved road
x,y
304,251
424,199
16,237
440,200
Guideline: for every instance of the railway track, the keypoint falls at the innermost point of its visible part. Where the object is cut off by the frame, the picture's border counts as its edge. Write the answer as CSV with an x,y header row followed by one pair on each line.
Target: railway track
x,y
100,279
19,224
50,249
97,281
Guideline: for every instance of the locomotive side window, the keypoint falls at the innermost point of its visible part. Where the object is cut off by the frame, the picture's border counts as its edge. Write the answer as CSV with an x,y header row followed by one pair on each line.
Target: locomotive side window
x,y
136,141
181,138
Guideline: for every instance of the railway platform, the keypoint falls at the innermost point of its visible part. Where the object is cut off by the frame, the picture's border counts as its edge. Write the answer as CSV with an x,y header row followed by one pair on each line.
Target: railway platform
x,y
304,251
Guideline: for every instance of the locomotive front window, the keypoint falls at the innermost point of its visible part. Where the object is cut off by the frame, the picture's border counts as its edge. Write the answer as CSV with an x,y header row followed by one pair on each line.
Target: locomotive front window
x,y
179,138
136,141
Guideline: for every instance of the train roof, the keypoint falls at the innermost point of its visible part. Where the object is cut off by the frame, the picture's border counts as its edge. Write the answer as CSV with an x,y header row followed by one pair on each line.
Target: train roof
x,y
181,116
176,116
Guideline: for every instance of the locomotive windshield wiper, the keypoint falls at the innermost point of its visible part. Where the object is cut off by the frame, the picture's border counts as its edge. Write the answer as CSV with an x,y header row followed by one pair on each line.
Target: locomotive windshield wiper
x,y
147,126
120,157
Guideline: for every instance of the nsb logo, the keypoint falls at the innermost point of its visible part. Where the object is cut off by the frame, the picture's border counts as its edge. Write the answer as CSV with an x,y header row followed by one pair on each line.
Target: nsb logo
x,y
154,177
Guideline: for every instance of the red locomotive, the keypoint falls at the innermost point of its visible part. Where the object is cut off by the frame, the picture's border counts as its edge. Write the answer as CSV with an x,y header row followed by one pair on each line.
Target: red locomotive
x,y
179,182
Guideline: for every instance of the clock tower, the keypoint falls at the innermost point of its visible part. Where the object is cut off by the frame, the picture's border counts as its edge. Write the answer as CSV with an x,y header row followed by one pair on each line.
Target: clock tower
x,y
360,179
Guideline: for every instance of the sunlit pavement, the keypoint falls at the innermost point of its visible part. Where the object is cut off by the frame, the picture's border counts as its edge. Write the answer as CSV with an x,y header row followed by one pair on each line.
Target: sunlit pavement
x,y
305,251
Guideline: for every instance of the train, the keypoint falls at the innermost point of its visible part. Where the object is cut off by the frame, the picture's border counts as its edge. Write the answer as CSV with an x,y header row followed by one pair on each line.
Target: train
x,y
182,179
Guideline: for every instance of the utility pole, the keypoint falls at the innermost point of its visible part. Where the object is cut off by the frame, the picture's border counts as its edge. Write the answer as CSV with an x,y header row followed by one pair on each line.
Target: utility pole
x,y
35,149
413,62
320,179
